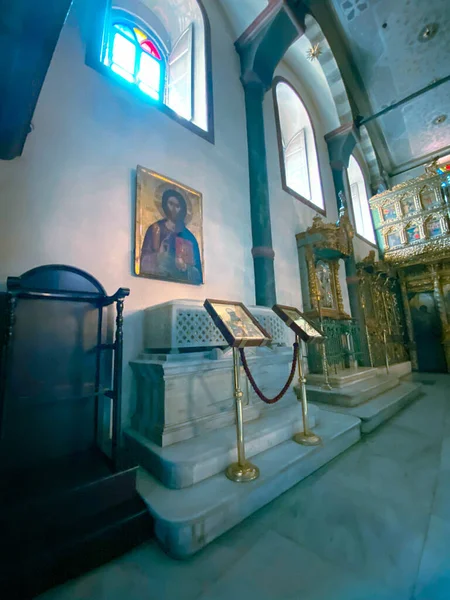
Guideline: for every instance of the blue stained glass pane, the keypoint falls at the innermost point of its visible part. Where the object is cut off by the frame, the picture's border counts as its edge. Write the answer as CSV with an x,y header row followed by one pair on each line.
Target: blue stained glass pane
x,y
150,75
125,30
123,56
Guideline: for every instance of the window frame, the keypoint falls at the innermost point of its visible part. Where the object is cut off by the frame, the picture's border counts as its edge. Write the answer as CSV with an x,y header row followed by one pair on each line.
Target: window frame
x,y
97,47
366,188
323,211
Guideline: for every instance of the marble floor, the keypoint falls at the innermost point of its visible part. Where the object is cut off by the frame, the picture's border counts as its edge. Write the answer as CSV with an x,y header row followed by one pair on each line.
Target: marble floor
x,y
372,524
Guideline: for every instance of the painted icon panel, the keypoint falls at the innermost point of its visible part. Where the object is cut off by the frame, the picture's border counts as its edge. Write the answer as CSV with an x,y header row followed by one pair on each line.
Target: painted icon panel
x,y
294,319
236,323
409,205
413,233
428,198
434,227
394,240
390,213
169,230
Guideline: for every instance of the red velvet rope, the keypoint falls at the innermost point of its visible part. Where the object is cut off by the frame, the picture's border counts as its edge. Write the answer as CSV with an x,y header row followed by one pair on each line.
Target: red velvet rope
x,y
253,382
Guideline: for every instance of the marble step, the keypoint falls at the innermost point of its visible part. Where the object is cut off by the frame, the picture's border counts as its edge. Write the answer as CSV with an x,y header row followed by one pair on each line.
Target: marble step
x,y
343,378
188,462
353,394
186,520
378,410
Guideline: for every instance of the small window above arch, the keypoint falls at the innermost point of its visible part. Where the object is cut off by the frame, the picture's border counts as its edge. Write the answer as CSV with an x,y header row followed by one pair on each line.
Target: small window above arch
x,y
161,50
297,146
360,201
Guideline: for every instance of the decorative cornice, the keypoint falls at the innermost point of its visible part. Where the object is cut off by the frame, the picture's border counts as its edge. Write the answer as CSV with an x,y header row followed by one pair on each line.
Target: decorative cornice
x,y
426,252
404,185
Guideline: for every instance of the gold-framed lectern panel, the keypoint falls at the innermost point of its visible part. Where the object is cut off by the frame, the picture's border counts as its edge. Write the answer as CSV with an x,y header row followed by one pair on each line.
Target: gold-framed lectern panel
x,y
307,332
236,323
300,325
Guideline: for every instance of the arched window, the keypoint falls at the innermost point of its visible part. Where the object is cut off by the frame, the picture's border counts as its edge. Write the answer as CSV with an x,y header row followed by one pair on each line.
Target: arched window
x,y
137,55
298,154
162,50
360,202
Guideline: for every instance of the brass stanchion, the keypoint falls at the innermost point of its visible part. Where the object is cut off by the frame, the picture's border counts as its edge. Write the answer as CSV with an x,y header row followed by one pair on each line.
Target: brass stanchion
x,y
386,351
326,384
242,470
305,437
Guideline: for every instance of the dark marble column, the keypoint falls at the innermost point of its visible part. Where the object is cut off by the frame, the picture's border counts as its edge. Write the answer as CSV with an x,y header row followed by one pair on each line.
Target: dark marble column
x,y
260,48
262,251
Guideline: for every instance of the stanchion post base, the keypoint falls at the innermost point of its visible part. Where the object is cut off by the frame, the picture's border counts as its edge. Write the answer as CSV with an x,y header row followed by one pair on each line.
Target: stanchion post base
x,y
326,386
242,472
307,439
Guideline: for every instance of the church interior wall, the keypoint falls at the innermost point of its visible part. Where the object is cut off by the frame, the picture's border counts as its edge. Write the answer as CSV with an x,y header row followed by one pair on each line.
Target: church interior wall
x,y
288,214
69,198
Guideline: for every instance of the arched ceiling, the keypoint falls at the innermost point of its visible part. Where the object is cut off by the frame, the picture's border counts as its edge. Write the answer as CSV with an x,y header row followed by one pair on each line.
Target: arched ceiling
x,y
313,79
382,58
241,13
393,61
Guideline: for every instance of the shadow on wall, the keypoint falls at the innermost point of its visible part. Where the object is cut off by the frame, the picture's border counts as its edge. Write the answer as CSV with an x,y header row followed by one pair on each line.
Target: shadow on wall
x,y
133,345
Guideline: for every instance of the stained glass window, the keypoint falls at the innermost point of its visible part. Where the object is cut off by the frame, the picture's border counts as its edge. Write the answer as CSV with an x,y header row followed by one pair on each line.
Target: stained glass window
x,y
135,56
167,64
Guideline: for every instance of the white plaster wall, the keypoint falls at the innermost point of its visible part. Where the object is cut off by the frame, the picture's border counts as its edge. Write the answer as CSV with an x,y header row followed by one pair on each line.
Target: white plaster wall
x,y
291,216
70,198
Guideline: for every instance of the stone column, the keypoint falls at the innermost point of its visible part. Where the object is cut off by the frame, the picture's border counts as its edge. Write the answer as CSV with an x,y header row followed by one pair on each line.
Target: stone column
x,y
262,251
261,47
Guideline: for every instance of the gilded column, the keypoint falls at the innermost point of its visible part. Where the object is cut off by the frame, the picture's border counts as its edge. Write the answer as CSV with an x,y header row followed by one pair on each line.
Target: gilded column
x,y
409,324
439,299
337,285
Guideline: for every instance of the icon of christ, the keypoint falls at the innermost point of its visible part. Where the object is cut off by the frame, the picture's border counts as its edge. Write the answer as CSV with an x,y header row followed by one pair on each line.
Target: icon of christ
x,y
170,250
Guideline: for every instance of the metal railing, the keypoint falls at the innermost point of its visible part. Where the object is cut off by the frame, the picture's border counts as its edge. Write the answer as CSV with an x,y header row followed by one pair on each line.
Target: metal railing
x,y
343,347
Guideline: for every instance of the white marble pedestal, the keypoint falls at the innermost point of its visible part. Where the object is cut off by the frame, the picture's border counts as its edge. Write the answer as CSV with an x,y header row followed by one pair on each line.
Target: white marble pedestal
x,y
183,431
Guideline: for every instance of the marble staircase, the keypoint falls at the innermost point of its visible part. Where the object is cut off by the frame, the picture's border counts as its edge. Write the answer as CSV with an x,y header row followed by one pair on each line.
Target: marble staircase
x,y
353,393
371,395
185,487
188,519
